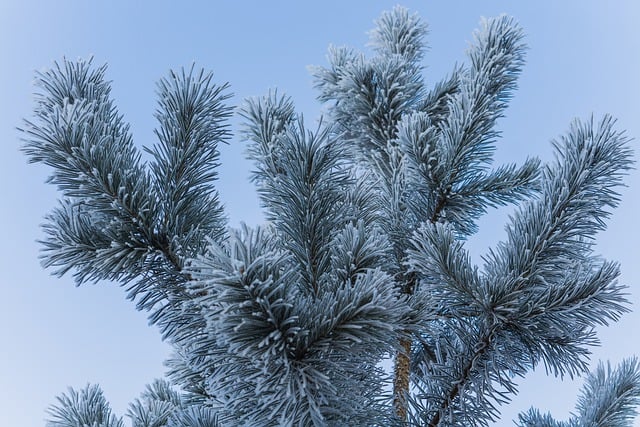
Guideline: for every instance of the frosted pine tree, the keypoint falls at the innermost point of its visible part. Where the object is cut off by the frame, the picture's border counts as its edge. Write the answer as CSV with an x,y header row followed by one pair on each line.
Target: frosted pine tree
x,y
362,258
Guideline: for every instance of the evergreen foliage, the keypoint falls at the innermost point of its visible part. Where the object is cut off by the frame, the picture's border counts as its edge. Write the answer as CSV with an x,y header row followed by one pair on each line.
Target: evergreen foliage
x,y
363,254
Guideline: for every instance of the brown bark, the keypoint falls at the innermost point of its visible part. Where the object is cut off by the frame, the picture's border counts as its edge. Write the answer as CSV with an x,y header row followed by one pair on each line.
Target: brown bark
x,y
401,378
402,368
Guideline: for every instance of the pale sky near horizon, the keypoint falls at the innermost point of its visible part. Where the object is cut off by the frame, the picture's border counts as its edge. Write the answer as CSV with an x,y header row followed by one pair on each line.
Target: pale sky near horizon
x,y
583,59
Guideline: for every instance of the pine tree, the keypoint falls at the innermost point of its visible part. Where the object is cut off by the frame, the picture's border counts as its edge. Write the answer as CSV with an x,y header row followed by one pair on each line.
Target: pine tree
x,y
363,254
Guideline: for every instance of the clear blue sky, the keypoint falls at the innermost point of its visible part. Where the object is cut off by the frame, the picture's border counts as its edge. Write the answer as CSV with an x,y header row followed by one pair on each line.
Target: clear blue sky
x,y
584,58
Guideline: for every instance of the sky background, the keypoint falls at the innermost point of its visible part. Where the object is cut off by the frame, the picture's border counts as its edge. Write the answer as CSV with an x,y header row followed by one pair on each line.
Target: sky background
x,y
584,58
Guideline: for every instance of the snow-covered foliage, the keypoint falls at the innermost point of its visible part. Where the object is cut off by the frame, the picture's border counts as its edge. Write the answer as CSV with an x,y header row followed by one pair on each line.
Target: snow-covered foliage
x,y
363,255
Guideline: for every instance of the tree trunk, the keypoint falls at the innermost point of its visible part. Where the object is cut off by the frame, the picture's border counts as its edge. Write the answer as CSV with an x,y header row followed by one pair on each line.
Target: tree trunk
x,y
401,379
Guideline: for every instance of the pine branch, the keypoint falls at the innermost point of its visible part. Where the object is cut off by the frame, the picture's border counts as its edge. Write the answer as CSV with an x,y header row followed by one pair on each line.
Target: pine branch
x,y
195,416
549,292
86,407
609,397
192,118
117,222
455,289
371,96
112,226
301,184
445,271
437,101
557,230
460,382
155,406
399,33
463,145
533,418
468,201
312,357
79,134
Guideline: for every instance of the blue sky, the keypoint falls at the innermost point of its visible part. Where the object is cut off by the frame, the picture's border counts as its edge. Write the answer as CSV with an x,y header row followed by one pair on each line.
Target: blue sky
x,y
584,58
